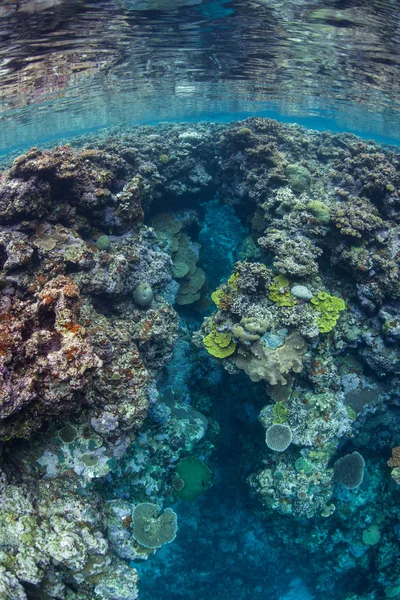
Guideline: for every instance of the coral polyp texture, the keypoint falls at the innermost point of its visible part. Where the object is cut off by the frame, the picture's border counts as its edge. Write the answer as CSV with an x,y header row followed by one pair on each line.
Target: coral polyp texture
x,y
278,437
349,470
169,292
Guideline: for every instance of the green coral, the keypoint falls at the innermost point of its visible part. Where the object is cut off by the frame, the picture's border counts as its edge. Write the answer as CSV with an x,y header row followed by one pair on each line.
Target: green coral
x,y
302,464
217,297
219,344
371,535
329,308
279,292
103,242
192,478
299,178
153,527
232,281
280,413
320,211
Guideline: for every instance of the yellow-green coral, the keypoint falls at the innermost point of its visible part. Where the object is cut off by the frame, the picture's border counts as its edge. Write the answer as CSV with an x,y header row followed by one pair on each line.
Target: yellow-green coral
x,y
232,281
329,308
219,344
280,413
217,297
222,294
279,292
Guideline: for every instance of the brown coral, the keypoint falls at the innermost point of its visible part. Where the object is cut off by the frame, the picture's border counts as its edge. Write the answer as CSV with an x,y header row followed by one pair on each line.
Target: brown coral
x,y
394,461
45,359
356,217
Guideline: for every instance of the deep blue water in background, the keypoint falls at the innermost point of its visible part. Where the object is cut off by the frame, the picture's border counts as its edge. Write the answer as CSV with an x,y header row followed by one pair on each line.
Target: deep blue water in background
x,y
223,550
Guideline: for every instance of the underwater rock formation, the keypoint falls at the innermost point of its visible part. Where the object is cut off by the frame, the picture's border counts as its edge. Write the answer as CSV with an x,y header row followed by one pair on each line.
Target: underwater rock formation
x,y
110,383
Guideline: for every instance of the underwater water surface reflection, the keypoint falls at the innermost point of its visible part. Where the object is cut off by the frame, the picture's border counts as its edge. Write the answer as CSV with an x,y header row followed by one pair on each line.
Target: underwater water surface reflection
x,y
75,66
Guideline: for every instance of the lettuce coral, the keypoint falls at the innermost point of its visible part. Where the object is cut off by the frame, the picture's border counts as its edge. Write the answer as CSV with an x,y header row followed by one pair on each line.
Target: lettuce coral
x,y
273,366
279,292
329,308
219,344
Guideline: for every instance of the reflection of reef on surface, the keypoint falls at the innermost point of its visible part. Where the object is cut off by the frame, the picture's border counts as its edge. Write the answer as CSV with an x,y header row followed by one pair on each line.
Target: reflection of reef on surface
x,y
111,404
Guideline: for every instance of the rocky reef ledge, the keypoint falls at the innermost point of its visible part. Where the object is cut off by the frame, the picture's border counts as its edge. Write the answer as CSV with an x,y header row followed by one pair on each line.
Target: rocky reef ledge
x,y
144,271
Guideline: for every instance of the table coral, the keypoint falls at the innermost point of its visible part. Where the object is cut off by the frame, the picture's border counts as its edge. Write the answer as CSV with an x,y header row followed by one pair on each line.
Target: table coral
x,y
152,527
349,470
192,478
278,437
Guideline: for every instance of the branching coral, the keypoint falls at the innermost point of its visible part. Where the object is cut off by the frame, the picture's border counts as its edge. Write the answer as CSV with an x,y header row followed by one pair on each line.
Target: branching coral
x,y
294,253
356,217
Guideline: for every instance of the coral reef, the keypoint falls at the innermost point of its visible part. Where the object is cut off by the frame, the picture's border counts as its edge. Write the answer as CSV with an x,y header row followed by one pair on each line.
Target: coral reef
x,y
43,342
119,366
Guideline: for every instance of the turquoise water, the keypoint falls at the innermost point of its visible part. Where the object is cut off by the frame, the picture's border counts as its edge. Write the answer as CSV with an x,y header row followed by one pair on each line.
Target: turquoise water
x,y
199,300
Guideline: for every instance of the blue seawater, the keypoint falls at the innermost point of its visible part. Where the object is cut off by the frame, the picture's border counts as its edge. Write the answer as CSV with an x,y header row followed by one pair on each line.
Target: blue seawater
x,y
221,235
